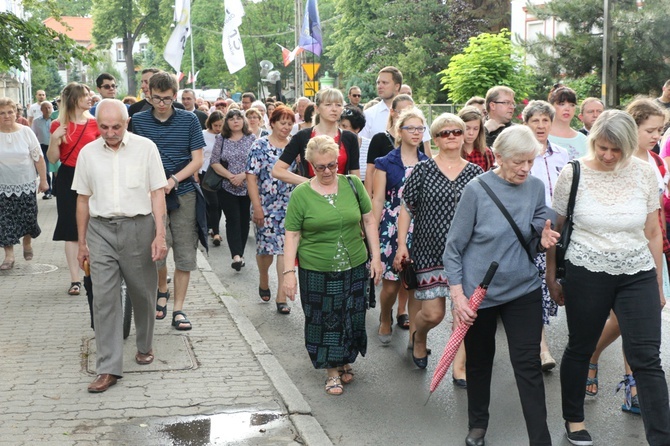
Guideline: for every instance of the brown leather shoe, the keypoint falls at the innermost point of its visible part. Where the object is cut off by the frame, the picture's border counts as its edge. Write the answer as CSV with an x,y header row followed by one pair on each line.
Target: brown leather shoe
x,y
144,358
102,383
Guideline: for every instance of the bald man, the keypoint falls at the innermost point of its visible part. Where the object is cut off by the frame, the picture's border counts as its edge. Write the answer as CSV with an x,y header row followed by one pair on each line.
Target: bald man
x,y
121,219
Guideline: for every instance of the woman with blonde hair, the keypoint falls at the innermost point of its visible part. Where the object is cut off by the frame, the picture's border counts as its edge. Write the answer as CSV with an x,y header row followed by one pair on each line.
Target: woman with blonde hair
x,y
255,120
392,172
323,228
329,105
74,128
429,200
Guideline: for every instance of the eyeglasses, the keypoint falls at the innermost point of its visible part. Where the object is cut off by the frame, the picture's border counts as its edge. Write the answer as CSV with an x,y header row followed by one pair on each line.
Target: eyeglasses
x,y
355,95
348,112
446,133
506,103
412,129
157,100
108,86
322,167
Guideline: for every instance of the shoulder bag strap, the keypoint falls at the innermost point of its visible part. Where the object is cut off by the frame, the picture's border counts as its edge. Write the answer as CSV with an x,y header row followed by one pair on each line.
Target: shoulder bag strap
x,y
81,135
353,187
573,189
509,218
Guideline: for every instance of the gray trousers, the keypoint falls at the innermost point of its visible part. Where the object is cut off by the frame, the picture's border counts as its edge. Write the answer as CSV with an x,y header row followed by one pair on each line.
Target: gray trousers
x,y
121,247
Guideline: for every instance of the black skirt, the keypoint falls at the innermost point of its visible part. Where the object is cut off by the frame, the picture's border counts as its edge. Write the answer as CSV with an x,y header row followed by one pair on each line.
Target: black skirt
x,y
18,217
66,204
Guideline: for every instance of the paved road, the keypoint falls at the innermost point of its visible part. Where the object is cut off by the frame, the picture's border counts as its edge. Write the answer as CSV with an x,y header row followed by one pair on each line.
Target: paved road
x,y
386,405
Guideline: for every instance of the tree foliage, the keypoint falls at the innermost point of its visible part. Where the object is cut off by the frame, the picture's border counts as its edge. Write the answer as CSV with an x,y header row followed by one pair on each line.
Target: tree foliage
x,y
31,39
45,77
128,20
642,40
74,8
488,60
418,37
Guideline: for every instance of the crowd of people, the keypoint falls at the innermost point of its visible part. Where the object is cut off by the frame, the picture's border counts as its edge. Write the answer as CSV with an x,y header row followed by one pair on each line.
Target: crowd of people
x,y
348,196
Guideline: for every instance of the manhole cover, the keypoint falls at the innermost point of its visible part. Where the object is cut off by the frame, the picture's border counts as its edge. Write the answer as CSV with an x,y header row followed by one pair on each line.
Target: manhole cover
x,y
25,269
173,352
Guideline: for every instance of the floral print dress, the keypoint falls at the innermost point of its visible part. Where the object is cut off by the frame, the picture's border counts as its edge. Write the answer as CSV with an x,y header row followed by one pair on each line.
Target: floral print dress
x,y
274,195
388,227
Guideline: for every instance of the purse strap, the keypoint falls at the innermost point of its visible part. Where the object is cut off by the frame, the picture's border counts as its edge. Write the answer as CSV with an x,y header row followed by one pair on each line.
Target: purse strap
x,y
509,218
573,190
353,187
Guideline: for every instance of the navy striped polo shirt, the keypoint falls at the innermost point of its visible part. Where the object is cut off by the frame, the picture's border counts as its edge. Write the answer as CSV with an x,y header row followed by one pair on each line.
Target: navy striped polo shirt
x,y
176,138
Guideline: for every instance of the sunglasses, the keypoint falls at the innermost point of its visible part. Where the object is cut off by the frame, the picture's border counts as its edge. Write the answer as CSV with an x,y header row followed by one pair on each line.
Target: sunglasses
x,y
323,167
446,133
108,87
356,95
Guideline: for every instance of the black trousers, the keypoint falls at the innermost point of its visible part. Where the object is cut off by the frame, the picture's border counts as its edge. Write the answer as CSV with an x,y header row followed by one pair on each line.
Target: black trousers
x,y
635,300
522,319
213,210
237,210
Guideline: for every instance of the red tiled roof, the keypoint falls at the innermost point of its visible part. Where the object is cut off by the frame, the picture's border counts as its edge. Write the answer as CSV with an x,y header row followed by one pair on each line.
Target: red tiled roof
x,y
81,29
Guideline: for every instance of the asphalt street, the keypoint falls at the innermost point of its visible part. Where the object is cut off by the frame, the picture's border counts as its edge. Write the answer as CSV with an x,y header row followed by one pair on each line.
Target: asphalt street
x,y
388,402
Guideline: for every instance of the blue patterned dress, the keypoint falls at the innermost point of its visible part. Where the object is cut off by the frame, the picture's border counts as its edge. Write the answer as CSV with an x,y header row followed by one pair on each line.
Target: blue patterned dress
x,y
274,195
388,227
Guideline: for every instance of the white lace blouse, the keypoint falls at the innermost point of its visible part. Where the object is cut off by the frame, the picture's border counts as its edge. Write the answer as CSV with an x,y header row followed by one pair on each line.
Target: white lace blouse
x,y
611,209
18,153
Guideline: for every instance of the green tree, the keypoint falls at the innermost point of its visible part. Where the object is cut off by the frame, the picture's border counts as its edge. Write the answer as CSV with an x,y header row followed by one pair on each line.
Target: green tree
x,y
44,76
129,19
31,39
418,37
488,60
74,8
642,39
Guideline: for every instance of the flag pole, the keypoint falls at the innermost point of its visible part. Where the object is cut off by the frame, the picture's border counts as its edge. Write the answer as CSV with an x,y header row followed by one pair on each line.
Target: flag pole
x,y
192,59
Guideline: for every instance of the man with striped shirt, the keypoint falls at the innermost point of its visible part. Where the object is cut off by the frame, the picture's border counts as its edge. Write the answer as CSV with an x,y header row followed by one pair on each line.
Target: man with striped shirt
x,y
178,135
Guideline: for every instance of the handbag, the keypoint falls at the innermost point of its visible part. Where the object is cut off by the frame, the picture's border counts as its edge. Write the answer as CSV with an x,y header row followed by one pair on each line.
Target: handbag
x,y
371,298
509,218
566,231
408,275
211,181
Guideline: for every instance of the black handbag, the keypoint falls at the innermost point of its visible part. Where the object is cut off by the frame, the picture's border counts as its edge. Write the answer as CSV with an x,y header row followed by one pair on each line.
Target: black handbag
x,y
211,181
566,231
408,275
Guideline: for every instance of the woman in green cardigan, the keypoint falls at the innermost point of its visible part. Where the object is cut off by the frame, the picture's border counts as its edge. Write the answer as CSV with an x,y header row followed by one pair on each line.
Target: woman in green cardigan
x,y
323,229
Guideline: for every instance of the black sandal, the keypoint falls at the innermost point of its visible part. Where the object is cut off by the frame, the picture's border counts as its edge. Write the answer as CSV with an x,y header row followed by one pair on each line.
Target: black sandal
x,y
265,295
403,321
283,308
162,309
75,288
177,323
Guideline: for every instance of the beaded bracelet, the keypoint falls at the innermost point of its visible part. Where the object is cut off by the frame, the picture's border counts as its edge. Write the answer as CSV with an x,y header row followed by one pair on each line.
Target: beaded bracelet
x,y
289,271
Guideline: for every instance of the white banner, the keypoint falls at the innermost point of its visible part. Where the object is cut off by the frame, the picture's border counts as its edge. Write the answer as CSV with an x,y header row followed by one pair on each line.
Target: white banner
x,y
233,52
174,49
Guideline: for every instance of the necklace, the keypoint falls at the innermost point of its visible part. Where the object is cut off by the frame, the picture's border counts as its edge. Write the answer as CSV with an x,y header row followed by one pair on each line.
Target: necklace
x,y
458,163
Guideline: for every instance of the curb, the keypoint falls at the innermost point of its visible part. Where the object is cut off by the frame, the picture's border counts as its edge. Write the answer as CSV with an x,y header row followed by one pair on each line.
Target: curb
x,y
299,410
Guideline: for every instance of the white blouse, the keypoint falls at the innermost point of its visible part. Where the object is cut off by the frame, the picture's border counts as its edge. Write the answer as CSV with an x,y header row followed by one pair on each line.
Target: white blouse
x,y
611,209
19,151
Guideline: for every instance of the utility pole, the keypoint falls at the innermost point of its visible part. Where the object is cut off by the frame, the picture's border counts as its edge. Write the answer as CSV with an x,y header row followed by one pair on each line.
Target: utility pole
x,y
609,74
297,65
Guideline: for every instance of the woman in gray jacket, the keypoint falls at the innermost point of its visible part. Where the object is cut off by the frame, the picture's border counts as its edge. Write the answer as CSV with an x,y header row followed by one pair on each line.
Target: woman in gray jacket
x,y
479,234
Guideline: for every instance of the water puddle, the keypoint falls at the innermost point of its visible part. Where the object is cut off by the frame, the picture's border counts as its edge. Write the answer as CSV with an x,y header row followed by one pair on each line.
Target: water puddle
x,y
238,428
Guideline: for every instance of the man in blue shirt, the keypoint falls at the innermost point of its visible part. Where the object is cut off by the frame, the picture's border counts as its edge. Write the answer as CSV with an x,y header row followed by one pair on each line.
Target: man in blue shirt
x,y
178,135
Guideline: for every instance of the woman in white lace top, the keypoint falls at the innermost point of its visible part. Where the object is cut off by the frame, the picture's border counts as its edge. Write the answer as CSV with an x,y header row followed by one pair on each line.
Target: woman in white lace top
x,y
21,160
613,262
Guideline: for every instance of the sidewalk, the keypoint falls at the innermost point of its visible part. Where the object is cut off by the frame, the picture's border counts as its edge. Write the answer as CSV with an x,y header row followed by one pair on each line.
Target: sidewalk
x,y
222,367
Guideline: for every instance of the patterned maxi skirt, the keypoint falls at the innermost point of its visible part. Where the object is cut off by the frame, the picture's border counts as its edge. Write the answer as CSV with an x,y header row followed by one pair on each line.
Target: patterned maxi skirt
x,y
18,217
334,307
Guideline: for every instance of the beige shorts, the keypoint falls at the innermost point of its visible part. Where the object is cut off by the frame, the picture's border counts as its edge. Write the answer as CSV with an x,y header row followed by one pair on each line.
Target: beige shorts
x,y
182,234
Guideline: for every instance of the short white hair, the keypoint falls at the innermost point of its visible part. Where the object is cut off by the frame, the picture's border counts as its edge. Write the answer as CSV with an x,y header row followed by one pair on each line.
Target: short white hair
x,y
107,103
516,140
259,104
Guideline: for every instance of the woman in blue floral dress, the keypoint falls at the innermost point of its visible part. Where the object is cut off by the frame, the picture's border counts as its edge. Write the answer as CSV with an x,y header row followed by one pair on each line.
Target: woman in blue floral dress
x,y
269,199
389,179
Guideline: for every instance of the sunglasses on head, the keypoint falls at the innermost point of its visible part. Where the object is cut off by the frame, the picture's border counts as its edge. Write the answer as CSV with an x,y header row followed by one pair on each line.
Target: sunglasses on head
x,y
446,133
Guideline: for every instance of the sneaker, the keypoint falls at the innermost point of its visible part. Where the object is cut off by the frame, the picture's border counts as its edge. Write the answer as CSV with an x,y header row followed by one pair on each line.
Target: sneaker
x,y
47,197
578,438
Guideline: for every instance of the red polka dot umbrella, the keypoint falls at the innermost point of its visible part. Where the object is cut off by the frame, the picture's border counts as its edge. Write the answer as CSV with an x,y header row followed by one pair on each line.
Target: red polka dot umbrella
x,y
459,333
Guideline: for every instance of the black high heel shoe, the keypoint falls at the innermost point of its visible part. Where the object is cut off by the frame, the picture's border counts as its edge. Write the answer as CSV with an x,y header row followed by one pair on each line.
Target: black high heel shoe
x,y
421,363
476,437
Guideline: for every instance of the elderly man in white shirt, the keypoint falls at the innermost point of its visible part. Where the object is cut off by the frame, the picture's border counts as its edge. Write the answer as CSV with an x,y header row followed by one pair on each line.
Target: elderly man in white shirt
x,y
121,219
